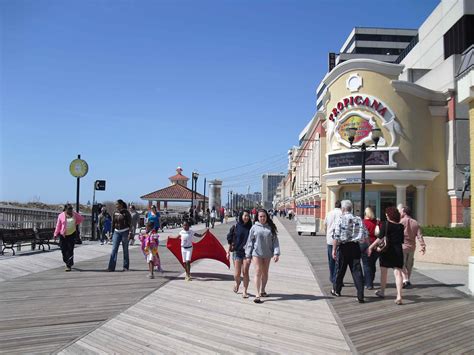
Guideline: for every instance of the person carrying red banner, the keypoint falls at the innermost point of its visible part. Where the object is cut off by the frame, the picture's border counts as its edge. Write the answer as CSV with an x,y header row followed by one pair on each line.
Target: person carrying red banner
x,y
187,235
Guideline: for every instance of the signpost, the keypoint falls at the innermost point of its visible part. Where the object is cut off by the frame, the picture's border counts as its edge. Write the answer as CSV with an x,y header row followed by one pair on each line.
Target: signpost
x,y
99,185
78,168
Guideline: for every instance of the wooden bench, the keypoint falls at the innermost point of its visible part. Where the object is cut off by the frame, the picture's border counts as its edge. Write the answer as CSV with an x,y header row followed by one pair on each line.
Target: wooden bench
x,y
12,237
45,236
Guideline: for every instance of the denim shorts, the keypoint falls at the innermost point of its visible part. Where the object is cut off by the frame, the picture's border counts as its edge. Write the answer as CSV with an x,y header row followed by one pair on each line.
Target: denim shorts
x,y
238,256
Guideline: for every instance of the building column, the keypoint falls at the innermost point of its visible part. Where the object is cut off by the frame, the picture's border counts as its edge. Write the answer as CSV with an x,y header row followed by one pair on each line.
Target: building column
x,y
165,205
420,204
457,209
401,194
465,94
158,205
471,134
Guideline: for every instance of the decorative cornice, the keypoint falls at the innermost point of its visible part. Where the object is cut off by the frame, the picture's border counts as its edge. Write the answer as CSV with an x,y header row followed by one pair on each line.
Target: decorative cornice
x,y
439,111
362,64
385,175
419,91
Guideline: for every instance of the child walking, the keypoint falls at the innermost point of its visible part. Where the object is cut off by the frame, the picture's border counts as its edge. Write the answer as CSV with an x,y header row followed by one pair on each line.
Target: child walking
x,y
187,235
149,245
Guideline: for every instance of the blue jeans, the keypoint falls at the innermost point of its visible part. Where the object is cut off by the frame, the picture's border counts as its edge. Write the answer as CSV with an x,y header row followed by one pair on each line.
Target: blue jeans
x,y
117,238
368,279
332,266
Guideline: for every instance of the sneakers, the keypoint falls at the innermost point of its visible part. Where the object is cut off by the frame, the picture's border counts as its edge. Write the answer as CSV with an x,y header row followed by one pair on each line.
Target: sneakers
x,y
68,268
124,270
101,243
151,276
406,284
361,300
334,293
380,293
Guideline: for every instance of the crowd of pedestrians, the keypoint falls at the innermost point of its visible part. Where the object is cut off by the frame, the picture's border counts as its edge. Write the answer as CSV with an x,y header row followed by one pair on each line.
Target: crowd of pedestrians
x,y
358,244
351,242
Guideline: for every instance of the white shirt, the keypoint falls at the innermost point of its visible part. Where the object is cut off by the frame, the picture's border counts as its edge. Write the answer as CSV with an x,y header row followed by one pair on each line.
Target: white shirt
x,y
330,223
187,238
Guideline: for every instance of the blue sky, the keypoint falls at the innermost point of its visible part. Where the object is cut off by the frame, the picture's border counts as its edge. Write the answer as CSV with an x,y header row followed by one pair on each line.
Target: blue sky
x,y
137,88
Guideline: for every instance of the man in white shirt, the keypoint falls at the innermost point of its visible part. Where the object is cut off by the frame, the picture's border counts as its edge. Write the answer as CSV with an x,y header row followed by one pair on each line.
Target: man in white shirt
x,y
330,223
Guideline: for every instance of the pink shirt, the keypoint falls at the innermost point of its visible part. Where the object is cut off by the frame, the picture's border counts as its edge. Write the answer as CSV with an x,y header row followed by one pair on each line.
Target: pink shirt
x,y
412,231
61,223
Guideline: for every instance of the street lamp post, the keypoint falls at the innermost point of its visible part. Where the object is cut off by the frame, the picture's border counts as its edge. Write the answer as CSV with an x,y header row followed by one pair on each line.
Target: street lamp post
x,y
375,135
195,176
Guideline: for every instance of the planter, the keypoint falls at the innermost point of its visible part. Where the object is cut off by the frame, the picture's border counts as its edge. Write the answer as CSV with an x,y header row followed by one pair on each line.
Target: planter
x,y
445,251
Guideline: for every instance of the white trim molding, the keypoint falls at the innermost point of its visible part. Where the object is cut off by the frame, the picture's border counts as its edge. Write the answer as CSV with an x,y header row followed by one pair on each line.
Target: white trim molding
x,y
362,64
383,175
419,91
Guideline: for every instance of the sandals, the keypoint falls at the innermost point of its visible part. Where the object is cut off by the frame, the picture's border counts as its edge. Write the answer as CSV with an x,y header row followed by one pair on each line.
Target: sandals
x,y
257,300
263,294
244,295
235,289
399,302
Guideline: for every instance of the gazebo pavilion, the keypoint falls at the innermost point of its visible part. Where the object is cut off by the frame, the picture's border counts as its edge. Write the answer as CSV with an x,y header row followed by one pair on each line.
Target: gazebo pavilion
x,y
178,191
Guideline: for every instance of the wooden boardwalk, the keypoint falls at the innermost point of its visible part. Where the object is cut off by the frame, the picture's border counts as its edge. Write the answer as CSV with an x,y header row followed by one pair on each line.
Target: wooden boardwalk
x,y
43,308
205,316
435,319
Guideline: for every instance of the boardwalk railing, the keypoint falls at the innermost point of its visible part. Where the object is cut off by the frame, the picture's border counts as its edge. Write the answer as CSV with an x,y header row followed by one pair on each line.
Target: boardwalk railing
x,y
18,217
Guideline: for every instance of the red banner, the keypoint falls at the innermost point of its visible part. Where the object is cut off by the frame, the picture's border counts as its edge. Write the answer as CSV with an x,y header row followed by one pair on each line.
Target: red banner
x,y
206,248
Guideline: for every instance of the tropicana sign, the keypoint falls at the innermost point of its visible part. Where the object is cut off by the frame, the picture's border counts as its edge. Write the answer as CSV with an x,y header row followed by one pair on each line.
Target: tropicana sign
x,y
354,101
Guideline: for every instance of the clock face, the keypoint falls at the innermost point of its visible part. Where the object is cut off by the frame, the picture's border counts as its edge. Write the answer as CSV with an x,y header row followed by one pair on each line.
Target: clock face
x,y
78,168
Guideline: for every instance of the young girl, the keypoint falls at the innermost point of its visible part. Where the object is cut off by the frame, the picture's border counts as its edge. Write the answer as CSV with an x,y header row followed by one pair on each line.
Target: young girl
x,y
187,235
149,245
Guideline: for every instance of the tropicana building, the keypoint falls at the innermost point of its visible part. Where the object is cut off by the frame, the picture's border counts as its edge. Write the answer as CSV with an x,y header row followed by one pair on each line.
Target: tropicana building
x,y
423,150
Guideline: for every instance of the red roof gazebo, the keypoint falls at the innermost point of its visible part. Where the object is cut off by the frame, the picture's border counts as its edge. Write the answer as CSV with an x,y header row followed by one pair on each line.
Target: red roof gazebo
x,y
178,191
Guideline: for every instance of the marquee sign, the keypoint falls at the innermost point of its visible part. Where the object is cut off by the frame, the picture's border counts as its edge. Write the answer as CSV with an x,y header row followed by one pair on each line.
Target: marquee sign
x,y
354,158
363,112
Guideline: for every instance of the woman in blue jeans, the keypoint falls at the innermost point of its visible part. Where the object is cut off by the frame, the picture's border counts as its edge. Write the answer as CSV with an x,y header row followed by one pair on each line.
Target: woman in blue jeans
x,y
122,220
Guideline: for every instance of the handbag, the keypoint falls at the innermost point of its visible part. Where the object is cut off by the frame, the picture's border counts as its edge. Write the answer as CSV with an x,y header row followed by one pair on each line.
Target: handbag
x,y
383,247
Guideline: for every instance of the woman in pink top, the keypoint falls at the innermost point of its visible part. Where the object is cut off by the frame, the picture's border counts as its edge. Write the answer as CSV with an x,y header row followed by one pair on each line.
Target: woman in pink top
x,y
66,228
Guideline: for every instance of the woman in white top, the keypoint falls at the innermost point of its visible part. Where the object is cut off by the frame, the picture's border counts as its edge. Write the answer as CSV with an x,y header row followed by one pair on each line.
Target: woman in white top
x,y
187,235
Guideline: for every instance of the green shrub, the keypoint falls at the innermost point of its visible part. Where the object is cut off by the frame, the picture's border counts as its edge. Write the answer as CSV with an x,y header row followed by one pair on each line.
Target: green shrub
x,y
446,232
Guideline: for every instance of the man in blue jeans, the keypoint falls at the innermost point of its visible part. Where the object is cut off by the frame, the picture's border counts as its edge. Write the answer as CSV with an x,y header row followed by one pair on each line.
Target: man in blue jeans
x,y
121,224
330,223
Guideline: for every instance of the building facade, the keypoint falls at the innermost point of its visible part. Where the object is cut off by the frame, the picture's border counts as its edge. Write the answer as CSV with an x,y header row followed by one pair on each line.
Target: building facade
x,y
269,186
423,151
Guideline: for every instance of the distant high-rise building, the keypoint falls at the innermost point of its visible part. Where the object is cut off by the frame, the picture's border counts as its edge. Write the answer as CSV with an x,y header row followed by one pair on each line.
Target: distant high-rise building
x,y
383,44
269,185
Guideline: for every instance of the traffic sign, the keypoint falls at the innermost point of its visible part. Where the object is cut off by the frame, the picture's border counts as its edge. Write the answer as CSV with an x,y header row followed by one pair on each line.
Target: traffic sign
x,y
100,185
